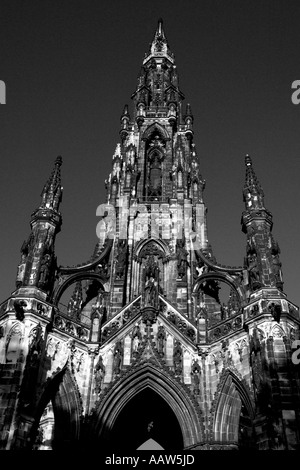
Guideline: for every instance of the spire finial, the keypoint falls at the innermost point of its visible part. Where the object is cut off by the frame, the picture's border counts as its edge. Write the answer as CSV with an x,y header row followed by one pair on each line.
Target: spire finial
x,y
58,161
253,192
52,191
159,47
160,26
248,161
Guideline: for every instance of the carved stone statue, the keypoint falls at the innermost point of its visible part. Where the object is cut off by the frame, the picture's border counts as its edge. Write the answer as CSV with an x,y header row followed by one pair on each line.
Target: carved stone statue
x,y
136,338
195,377
181,259
151,292
161,337
152,269
177,358
99,373
117,358
253,270
277,268
44,270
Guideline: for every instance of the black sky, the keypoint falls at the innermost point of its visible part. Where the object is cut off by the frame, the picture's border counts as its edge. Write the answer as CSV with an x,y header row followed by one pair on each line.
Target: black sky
x,y
69,68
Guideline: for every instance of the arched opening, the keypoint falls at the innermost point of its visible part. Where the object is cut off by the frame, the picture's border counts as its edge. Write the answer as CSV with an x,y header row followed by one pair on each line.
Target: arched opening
x,y
147,415
233,421
57,416
147,377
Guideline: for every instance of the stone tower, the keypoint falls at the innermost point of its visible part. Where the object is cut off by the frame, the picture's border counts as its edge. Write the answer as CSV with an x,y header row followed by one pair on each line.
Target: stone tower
x,y
151,339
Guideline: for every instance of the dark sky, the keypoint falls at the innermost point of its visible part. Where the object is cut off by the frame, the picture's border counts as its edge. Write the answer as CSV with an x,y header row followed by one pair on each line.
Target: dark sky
x,y
69,68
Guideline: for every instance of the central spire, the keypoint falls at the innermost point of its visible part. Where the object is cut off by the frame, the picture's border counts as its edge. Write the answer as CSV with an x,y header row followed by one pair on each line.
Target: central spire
x,y
159,46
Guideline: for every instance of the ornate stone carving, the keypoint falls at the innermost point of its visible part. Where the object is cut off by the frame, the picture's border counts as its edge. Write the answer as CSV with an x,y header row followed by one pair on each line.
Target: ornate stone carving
x,y
20,306
177,358
161,338
99,373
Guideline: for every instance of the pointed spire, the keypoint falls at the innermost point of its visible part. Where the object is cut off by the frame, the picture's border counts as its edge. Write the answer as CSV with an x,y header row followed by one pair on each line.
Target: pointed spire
x,y
159,46
125,120
253,192
125,113
52,191
117,154
188,112
160,27
188,119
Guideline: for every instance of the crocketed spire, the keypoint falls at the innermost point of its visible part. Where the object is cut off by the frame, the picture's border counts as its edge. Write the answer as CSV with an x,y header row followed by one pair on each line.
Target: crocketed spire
x,y
52,191
159,46
253,192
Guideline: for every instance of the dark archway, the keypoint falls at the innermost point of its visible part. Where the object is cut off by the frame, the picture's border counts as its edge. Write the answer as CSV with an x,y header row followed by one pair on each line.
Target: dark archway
x,y
234,413
147,376
147,415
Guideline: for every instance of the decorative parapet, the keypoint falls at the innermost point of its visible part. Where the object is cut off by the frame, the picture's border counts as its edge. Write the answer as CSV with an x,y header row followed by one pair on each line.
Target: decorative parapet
x,y
24,305
120,319
182,323
70,327
225,328
274,306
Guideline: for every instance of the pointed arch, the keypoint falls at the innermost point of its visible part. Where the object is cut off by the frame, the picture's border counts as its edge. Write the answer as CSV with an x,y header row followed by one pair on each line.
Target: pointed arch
x,y
230,397
222,277
72,279
173,392
62,391
277,332
155,127
161,245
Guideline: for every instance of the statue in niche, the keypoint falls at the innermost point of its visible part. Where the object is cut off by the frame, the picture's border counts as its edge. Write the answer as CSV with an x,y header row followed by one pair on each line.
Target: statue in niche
x,y
195,377
21,271
151,282
177,358
44,271
254,270
36,344
121,259
136,338
161,338
99,373
181,259
155,177
151,292
117,358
